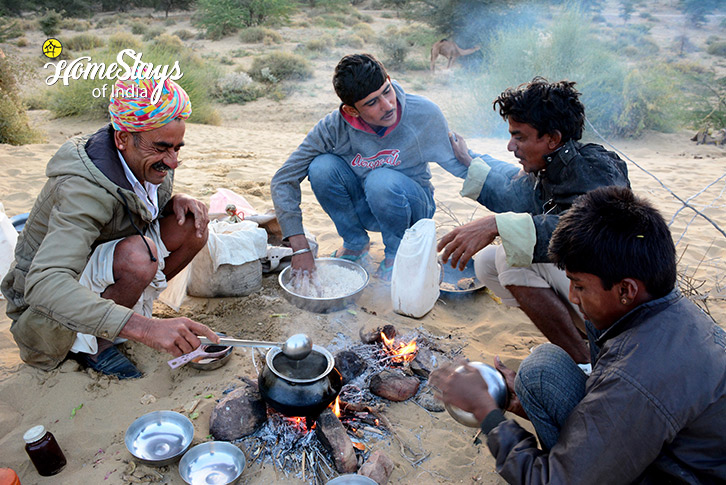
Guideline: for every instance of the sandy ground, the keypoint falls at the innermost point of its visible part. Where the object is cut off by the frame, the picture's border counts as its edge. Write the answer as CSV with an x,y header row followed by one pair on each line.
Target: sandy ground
x,y
242,154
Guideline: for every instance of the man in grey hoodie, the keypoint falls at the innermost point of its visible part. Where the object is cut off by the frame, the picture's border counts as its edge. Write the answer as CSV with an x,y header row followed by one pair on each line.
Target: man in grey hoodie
x,y
367,163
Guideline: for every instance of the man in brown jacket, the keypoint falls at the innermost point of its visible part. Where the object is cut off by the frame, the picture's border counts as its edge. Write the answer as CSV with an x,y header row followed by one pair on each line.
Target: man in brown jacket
x,y
103,237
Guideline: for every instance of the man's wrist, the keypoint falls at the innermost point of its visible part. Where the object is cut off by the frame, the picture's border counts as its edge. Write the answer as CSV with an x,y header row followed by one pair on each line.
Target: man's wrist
x,y
298,242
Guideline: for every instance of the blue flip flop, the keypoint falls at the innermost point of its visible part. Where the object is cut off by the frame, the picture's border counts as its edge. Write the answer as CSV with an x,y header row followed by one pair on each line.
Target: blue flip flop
x,y
111,362
350,257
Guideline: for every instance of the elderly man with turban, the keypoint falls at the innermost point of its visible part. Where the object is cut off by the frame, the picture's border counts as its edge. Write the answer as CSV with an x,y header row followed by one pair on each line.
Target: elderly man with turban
x,y
103,237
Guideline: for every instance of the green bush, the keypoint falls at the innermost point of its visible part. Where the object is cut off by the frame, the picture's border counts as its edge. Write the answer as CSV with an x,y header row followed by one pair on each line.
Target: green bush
x,y
279,66
138,27
50,22
252,35
184,34
14,125
238,88
9,29
717,49
569,50
123,40
83,42
220,18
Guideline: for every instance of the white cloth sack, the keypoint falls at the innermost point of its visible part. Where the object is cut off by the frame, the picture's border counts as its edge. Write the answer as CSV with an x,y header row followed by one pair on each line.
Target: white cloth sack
x,y
8,239
232,244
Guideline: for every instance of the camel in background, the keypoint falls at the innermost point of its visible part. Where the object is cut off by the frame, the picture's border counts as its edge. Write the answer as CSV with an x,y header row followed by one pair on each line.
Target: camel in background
x,y
449,50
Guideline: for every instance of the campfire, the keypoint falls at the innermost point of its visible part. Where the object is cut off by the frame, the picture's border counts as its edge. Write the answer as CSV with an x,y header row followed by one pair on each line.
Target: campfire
x,y
383,367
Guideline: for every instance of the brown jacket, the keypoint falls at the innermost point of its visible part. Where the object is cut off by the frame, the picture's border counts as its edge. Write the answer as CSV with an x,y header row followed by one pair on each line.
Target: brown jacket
x,y
86,201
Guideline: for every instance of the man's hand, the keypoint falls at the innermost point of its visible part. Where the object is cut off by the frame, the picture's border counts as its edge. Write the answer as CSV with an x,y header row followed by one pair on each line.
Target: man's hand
x,y
183,204
177,336
466,390
465,241
513,403
461,151
304,261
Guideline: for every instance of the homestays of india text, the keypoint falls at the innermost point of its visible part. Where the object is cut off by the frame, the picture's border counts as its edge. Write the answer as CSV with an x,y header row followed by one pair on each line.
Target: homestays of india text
x,y
123,68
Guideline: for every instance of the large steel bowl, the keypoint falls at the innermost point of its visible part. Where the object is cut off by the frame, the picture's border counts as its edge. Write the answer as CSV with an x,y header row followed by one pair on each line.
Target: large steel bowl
x,y
159,438
323,305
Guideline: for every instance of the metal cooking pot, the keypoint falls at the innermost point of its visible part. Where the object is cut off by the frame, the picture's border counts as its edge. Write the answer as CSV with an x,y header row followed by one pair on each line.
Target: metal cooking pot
x,y
300,387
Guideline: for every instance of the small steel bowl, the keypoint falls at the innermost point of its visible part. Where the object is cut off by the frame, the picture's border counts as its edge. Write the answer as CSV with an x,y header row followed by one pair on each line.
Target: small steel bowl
x,y
323,305
159,438
217,462
497,389
351,479
211,363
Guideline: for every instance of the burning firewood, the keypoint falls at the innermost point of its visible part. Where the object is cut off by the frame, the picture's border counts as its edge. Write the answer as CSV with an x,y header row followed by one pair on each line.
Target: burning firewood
x,y
333,436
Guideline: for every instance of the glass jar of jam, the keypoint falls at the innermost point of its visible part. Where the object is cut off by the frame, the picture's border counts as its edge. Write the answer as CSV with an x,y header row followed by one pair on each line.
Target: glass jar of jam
x,y
43,450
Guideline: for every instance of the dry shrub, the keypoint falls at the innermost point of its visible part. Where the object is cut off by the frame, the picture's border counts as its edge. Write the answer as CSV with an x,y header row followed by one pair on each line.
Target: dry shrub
x,y
279,66
253,35
123,40
14,125
83,42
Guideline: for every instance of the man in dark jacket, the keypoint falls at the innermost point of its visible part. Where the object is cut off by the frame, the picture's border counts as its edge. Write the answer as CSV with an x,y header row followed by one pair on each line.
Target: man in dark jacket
x,y
545,122
654,408
103,237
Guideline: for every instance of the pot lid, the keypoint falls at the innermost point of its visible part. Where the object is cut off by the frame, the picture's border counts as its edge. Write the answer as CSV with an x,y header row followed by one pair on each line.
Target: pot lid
x,y
315,366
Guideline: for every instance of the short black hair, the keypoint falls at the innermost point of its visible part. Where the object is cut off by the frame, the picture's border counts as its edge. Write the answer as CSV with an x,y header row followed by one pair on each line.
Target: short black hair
x,y
356,76
548,107
613,234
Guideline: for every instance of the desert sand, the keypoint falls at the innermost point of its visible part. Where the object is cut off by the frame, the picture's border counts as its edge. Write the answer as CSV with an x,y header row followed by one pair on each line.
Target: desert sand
x,y
242,154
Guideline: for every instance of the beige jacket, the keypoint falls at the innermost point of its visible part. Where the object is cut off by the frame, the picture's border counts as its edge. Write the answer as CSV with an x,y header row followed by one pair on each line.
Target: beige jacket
x,y
85,202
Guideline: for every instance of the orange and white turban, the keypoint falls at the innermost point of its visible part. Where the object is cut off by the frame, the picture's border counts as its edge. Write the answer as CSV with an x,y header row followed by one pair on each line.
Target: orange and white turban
x,y
132,108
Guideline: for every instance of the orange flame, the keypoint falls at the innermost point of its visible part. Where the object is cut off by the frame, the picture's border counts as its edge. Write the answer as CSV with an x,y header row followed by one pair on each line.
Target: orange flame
x,y
298,423
400,352
336,406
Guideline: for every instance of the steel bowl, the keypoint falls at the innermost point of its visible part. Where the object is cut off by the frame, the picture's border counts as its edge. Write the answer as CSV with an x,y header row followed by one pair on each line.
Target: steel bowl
x,y
159,438
323,305
497,389
217,462
351,479
211,363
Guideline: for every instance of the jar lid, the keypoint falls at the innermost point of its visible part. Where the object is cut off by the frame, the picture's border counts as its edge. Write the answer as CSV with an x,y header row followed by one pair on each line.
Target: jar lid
x,y
34,434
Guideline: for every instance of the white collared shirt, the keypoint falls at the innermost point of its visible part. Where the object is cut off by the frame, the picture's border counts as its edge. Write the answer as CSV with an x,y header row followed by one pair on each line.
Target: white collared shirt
x,y
146,192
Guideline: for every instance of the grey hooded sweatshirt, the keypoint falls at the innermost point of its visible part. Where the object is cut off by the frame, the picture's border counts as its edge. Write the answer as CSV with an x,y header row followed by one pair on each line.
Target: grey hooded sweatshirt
x,y
421,136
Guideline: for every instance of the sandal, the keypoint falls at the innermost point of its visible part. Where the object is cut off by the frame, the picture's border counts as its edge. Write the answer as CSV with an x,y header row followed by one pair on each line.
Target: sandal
x,y
384,272
110,362
350,257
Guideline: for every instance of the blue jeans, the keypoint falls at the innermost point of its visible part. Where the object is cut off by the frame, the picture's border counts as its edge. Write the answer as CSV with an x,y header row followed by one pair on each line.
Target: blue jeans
x,y
549,385
386,201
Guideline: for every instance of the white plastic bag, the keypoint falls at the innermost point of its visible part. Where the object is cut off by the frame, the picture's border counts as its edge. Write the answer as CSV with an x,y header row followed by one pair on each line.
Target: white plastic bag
x,y
8,239
415,276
